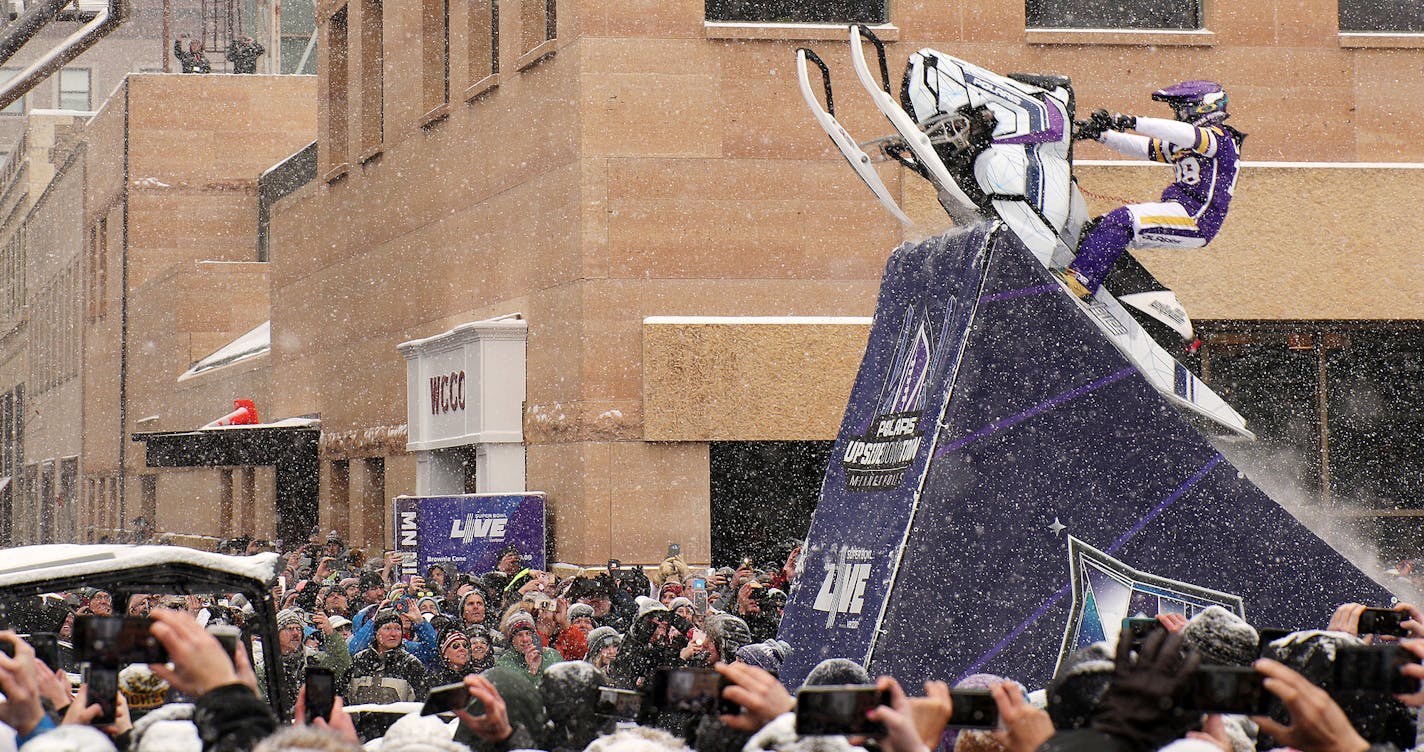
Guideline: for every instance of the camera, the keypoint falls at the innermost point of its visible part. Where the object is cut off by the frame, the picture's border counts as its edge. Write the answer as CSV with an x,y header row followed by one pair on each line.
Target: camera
x,y
1238,690
619,704
1374,668
839,709
690,690
973,708
1383,621
448,698
113,641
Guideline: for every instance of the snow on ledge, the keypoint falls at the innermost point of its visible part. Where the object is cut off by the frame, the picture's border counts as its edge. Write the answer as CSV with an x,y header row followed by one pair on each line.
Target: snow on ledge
x,y
254,343
759,320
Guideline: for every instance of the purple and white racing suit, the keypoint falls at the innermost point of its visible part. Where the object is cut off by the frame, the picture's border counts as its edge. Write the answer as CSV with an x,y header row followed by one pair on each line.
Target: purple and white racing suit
x,y
1206,159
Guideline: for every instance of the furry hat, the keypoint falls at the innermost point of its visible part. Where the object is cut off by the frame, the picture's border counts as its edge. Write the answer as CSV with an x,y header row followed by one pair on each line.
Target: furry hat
x,y
69,738
417,733
166,729
1221,637
305,739
570,691
638,739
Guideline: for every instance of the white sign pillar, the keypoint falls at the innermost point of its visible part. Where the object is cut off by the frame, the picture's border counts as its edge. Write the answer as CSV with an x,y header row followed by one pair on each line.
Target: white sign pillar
x,y
464,402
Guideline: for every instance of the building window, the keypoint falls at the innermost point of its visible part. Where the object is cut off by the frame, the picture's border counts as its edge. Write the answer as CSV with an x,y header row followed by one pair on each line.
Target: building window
x,y
372,76
334,139
1114,14
798,11
484,39
1339,407
762,496
298,36
1404,16
18,107
539,23
74,89
435,55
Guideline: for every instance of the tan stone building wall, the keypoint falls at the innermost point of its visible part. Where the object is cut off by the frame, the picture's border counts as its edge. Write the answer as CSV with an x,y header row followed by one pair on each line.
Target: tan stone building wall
x,y
174,160
657,165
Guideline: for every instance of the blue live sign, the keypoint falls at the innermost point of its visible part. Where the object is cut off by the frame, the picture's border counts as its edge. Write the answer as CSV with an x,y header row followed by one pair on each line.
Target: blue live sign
x,y
468,531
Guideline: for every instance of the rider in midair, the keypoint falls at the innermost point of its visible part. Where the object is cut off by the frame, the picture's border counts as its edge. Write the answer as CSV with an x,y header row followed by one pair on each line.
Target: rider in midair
x,y
1206,155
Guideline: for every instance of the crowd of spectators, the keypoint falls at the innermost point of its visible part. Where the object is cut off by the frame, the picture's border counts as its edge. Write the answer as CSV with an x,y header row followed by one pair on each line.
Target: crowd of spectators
x,y
542,660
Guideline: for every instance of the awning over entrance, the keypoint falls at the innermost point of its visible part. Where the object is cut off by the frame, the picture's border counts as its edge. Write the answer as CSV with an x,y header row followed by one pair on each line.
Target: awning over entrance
x,y
290,446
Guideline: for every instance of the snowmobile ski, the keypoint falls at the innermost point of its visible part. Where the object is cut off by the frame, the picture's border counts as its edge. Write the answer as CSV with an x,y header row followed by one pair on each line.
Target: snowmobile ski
x,y
953,198
859,160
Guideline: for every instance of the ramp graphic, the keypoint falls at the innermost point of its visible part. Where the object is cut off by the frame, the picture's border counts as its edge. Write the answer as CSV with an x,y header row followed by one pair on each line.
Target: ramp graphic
x,y
1041,457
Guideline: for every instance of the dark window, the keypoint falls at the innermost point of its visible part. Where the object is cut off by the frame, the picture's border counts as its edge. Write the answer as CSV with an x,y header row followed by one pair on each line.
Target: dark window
x,y
1114,14
1382,15
798,11
1338,410
762,496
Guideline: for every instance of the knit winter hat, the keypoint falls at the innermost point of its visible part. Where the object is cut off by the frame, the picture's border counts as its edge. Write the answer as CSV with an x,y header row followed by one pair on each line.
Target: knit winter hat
x,y
570,690
289,617
766,655
600,638
166,729
517,622
417,733
383,617
451,638
679,602
1079,685
1221,637
142,688
580,610
648,605
729,633
836,671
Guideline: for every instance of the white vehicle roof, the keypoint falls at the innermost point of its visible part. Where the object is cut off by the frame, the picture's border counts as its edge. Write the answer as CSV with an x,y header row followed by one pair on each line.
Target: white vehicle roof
x,y
19,566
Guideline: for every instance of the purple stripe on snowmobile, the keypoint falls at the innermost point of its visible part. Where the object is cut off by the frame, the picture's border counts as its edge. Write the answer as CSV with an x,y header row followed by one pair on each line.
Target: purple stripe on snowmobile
x,y
1038,409
1117,544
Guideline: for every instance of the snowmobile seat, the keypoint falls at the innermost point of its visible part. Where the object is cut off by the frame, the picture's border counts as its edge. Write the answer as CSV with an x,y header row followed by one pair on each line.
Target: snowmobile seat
x,y
1045,81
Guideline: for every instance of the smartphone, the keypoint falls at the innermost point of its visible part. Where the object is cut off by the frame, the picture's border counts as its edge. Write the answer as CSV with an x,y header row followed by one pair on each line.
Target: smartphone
x,y
228,636
839,709
46,645
321,693
973,708
1237,690
1374,668
103,691
1383,621
113,641
448,698
1137,630
1268,635
619,704
674,549
691,690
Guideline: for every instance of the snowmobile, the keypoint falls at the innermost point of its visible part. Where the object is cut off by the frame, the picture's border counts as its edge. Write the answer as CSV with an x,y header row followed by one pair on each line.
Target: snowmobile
x,y
1000,148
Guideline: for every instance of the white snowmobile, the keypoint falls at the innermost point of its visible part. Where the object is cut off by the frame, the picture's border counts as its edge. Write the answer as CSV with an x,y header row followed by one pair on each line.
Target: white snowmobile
x,y
1000,147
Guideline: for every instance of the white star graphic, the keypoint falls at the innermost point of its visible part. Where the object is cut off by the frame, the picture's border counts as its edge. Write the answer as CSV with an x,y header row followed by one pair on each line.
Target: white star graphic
x,y
1057,527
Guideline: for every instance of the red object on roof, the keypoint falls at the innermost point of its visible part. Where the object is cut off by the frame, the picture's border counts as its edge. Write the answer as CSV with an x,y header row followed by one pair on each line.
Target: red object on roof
x,y
244,414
